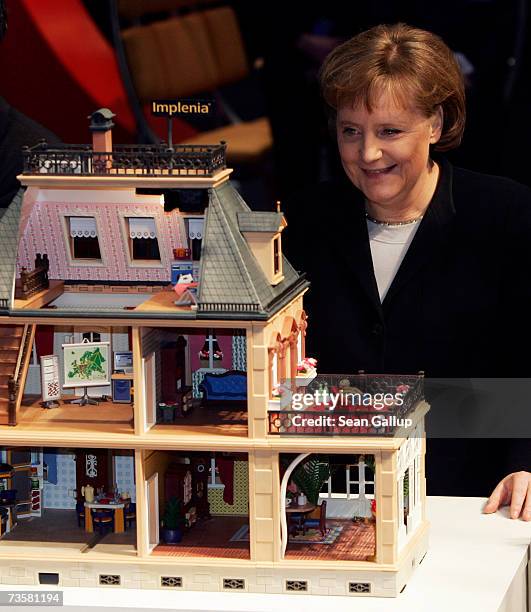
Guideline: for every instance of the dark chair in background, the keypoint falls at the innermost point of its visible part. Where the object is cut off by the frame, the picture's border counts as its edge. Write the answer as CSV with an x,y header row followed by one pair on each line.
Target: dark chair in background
x,y
320,523
129,513
103,520
4,518
80,512
294,523
197,50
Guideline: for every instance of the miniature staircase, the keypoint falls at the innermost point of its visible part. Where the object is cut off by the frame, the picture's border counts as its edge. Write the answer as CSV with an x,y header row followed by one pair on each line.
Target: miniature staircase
x,y
13,360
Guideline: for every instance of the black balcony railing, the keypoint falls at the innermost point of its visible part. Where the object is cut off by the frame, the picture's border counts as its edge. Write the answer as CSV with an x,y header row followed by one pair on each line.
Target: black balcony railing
x,y
364,405
134,160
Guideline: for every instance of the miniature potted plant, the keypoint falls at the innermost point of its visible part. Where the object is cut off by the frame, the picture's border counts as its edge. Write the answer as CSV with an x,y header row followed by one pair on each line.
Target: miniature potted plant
x,y
204,358
172,522
167,413
310,476
306,371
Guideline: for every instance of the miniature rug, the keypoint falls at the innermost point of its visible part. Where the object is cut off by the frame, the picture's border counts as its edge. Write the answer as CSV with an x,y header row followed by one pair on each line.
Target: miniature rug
x,y
313,536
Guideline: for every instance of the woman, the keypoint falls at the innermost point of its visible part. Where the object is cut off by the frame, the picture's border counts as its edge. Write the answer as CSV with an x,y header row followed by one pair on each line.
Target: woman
x,y
413,263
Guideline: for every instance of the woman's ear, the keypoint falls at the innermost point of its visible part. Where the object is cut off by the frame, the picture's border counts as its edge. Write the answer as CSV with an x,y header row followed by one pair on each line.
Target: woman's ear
x,y
436,125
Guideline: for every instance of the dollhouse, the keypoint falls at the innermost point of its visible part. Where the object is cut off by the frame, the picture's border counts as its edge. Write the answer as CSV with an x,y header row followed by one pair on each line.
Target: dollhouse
x,y
157,404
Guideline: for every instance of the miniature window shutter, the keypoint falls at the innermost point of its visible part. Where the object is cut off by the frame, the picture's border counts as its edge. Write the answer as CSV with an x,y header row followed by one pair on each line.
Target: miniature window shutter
x,y
142,227
195,229
83,227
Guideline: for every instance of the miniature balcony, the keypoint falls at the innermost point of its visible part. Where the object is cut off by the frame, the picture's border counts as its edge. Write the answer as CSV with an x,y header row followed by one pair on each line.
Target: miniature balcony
x,y
355,405
150,161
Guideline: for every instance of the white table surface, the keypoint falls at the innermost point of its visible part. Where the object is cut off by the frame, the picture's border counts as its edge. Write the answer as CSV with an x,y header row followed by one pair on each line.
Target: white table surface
x,y
475,562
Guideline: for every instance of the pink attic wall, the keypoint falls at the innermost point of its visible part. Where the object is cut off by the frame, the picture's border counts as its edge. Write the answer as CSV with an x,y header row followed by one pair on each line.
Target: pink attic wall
x,y
43,232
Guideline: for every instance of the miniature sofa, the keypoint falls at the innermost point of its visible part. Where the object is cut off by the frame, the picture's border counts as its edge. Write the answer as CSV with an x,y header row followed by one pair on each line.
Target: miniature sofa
x,y
222,390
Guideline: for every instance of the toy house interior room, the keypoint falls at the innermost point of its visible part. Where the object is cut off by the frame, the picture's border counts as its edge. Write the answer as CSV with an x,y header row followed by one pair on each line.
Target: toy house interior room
x,y
71,376
329,506
195,377
76,500
198,504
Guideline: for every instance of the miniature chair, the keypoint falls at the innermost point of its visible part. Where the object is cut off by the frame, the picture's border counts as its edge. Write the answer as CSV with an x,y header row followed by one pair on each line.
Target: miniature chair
x,y
103,520
319,523
294,524
129,513
4,517
80,511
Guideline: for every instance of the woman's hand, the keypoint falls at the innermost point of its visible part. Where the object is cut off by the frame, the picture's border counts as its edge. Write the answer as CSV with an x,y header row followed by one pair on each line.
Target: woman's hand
x,y
514,489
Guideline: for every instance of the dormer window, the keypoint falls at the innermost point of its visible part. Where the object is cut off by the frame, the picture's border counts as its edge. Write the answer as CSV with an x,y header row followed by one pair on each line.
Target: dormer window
x,y
83,234
262,231
195,235
143,242
277,261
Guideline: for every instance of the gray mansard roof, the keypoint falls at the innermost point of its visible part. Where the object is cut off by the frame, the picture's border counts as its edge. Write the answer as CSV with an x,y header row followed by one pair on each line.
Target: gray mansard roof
x,y
230,273
232,284
259,221
9,222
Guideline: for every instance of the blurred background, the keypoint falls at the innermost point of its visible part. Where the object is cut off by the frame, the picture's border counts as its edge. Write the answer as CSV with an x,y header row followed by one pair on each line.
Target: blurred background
x,y
62,59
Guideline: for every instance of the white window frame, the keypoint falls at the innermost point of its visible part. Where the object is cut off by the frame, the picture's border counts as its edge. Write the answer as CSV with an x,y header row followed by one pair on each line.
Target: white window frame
x,y
212,478
69,250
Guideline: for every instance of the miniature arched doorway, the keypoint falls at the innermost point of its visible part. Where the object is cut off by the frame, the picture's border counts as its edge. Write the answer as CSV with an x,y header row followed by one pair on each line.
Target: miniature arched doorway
x,y
283,491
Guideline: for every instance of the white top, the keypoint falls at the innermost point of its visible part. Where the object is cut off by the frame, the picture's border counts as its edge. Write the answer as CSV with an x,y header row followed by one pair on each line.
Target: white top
x,y
475,562
389,245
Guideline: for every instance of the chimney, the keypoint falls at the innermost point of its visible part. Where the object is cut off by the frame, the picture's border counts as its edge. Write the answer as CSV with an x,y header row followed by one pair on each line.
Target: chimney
x,y
101,127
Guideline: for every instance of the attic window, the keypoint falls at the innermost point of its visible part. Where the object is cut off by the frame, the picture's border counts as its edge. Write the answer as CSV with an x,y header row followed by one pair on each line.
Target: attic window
x,y
83,233
143,242
195,235
276,255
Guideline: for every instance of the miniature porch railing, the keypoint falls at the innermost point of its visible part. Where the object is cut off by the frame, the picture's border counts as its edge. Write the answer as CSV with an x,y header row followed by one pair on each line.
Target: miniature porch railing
x,y
137,160
33,281
335,422
15,389
226,307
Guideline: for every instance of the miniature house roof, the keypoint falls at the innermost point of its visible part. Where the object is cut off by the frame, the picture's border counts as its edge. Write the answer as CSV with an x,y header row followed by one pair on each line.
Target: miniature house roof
x,y
232,283
261,221
230,272
9,224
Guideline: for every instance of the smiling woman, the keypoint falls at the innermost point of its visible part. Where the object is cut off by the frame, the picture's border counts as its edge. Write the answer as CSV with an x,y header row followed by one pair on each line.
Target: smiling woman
x,y
426,263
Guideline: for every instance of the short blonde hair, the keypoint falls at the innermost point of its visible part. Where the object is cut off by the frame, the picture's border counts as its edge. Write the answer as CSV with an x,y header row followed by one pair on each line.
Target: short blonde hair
x,y
413,65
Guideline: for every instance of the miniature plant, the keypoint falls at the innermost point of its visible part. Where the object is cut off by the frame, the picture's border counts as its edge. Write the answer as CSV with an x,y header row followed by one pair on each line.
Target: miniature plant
x,y
310,476
307,366
172,518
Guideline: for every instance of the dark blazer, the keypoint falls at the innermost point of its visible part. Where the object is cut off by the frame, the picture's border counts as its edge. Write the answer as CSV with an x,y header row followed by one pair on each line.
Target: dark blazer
x,y
459,306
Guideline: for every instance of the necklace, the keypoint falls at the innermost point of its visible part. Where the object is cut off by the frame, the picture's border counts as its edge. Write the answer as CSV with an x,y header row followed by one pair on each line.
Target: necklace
x,y
393,223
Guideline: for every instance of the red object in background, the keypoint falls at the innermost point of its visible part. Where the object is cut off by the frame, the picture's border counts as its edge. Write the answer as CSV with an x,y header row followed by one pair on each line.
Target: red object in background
x,y
58,68
44,340
225,467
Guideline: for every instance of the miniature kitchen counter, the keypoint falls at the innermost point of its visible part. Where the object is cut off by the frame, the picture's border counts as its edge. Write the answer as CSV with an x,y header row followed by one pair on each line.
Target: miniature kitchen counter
x,y
475,562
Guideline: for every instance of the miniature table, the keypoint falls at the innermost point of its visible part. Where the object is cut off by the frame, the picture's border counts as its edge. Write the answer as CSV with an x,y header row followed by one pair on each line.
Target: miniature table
x,y
475,562
304,510
118,515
